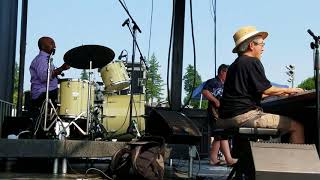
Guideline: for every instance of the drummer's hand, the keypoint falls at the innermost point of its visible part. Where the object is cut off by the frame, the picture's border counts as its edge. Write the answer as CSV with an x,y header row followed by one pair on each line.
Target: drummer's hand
x,y
65,67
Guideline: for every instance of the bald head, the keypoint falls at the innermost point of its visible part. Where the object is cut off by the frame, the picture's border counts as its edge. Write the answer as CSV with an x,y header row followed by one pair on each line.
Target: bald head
x,y
46,44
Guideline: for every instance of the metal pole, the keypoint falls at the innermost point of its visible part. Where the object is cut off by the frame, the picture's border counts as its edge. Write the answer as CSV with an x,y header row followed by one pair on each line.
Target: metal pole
x,y
23,36
89,99
55,166
64,166
134,32
292,82
201,97
215,37
47,92
317,67
177,55
8,34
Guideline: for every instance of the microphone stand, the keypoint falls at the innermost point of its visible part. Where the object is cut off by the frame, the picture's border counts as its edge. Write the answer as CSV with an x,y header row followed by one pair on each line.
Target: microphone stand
x,y
132,123
47,90
133,34
48,100
315,47
135,28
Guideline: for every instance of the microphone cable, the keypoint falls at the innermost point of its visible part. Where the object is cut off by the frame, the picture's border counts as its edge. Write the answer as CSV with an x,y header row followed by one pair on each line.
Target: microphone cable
x,y
169,55
150,30
194,58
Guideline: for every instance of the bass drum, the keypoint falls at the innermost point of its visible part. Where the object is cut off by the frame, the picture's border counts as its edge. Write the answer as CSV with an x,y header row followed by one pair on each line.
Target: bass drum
x,y
115,76
74,98
116,111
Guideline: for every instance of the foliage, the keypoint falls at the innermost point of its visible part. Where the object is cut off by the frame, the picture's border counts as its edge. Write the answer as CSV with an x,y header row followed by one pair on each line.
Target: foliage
x,y
154,82
308,84
189,85
84,75
16,83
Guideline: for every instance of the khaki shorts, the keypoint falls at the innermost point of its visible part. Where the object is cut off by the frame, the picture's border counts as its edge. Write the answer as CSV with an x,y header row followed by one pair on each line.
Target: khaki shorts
x,y
257,119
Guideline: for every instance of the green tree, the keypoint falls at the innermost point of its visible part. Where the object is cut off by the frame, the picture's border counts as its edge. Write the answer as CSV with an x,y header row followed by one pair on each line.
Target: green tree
x,y
15,83
154,82
189,85
308,84
84,75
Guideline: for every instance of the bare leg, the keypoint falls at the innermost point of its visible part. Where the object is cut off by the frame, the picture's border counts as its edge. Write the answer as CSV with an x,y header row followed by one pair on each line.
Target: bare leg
x,y
297,133
226,152
215,146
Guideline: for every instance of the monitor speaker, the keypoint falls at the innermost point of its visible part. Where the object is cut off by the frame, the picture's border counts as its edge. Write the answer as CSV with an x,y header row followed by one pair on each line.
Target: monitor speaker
x,y
285,161
174,126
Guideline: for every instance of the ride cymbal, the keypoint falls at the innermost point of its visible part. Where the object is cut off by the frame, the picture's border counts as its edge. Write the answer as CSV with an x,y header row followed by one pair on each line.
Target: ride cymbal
x,y
80,57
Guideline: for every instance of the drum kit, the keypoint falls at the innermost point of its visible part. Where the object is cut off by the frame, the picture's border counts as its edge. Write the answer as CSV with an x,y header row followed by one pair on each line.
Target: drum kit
x,y
81,99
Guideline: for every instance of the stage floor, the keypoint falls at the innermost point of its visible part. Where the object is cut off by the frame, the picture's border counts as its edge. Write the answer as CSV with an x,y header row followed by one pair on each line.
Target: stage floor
x,y
76,170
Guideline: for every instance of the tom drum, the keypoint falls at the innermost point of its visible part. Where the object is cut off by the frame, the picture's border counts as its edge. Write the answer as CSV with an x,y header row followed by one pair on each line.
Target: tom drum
x,y
115,76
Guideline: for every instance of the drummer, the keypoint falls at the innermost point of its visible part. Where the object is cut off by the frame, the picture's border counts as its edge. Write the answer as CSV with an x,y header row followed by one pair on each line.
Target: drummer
x,y
38,70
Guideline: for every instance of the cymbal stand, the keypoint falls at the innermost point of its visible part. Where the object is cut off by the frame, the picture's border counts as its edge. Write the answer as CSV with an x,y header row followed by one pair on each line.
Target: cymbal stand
x,y
89,98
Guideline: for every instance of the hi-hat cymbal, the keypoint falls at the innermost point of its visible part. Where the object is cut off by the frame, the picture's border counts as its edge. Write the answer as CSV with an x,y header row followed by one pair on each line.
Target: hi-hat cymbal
x,y
80,57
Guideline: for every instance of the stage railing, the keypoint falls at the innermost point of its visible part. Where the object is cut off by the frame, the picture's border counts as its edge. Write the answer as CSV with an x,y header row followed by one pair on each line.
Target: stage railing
x,y
6,109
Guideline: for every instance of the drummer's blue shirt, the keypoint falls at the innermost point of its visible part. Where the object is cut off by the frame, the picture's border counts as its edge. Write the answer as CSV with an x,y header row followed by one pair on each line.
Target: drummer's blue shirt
x,y
38,71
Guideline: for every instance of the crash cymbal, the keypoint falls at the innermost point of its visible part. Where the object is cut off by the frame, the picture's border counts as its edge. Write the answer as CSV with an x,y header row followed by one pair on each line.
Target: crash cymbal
x,y
80,57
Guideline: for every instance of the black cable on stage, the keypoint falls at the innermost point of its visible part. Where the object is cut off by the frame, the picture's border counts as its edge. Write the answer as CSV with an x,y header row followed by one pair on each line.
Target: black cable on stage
x,y
194,58
169,54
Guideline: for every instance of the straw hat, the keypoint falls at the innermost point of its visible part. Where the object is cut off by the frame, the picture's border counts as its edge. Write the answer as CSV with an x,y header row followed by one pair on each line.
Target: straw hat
x,y
245,33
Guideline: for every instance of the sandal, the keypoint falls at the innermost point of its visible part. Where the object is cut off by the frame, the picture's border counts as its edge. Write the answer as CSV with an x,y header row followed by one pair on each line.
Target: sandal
x,y
232,164
219,163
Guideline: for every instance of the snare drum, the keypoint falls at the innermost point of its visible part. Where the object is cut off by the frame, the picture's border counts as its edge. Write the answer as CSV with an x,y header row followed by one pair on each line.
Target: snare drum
x,y
74,97
115,76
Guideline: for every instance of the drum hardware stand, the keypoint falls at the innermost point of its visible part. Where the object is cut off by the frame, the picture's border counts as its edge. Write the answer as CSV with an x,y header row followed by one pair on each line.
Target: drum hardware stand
x,y
47,100
45,128
72,123
315,47
96,127
89,98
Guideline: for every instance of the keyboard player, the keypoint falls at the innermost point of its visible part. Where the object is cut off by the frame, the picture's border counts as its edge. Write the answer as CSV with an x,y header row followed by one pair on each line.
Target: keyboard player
x,y
245,84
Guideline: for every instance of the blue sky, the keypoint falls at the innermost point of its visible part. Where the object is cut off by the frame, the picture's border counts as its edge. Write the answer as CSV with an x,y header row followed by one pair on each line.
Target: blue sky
x,y
75,22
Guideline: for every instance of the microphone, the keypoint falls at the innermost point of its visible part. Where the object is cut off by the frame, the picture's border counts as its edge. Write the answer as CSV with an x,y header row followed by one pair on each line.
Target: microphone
x,y
312,34
53,51
125,22
121,56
